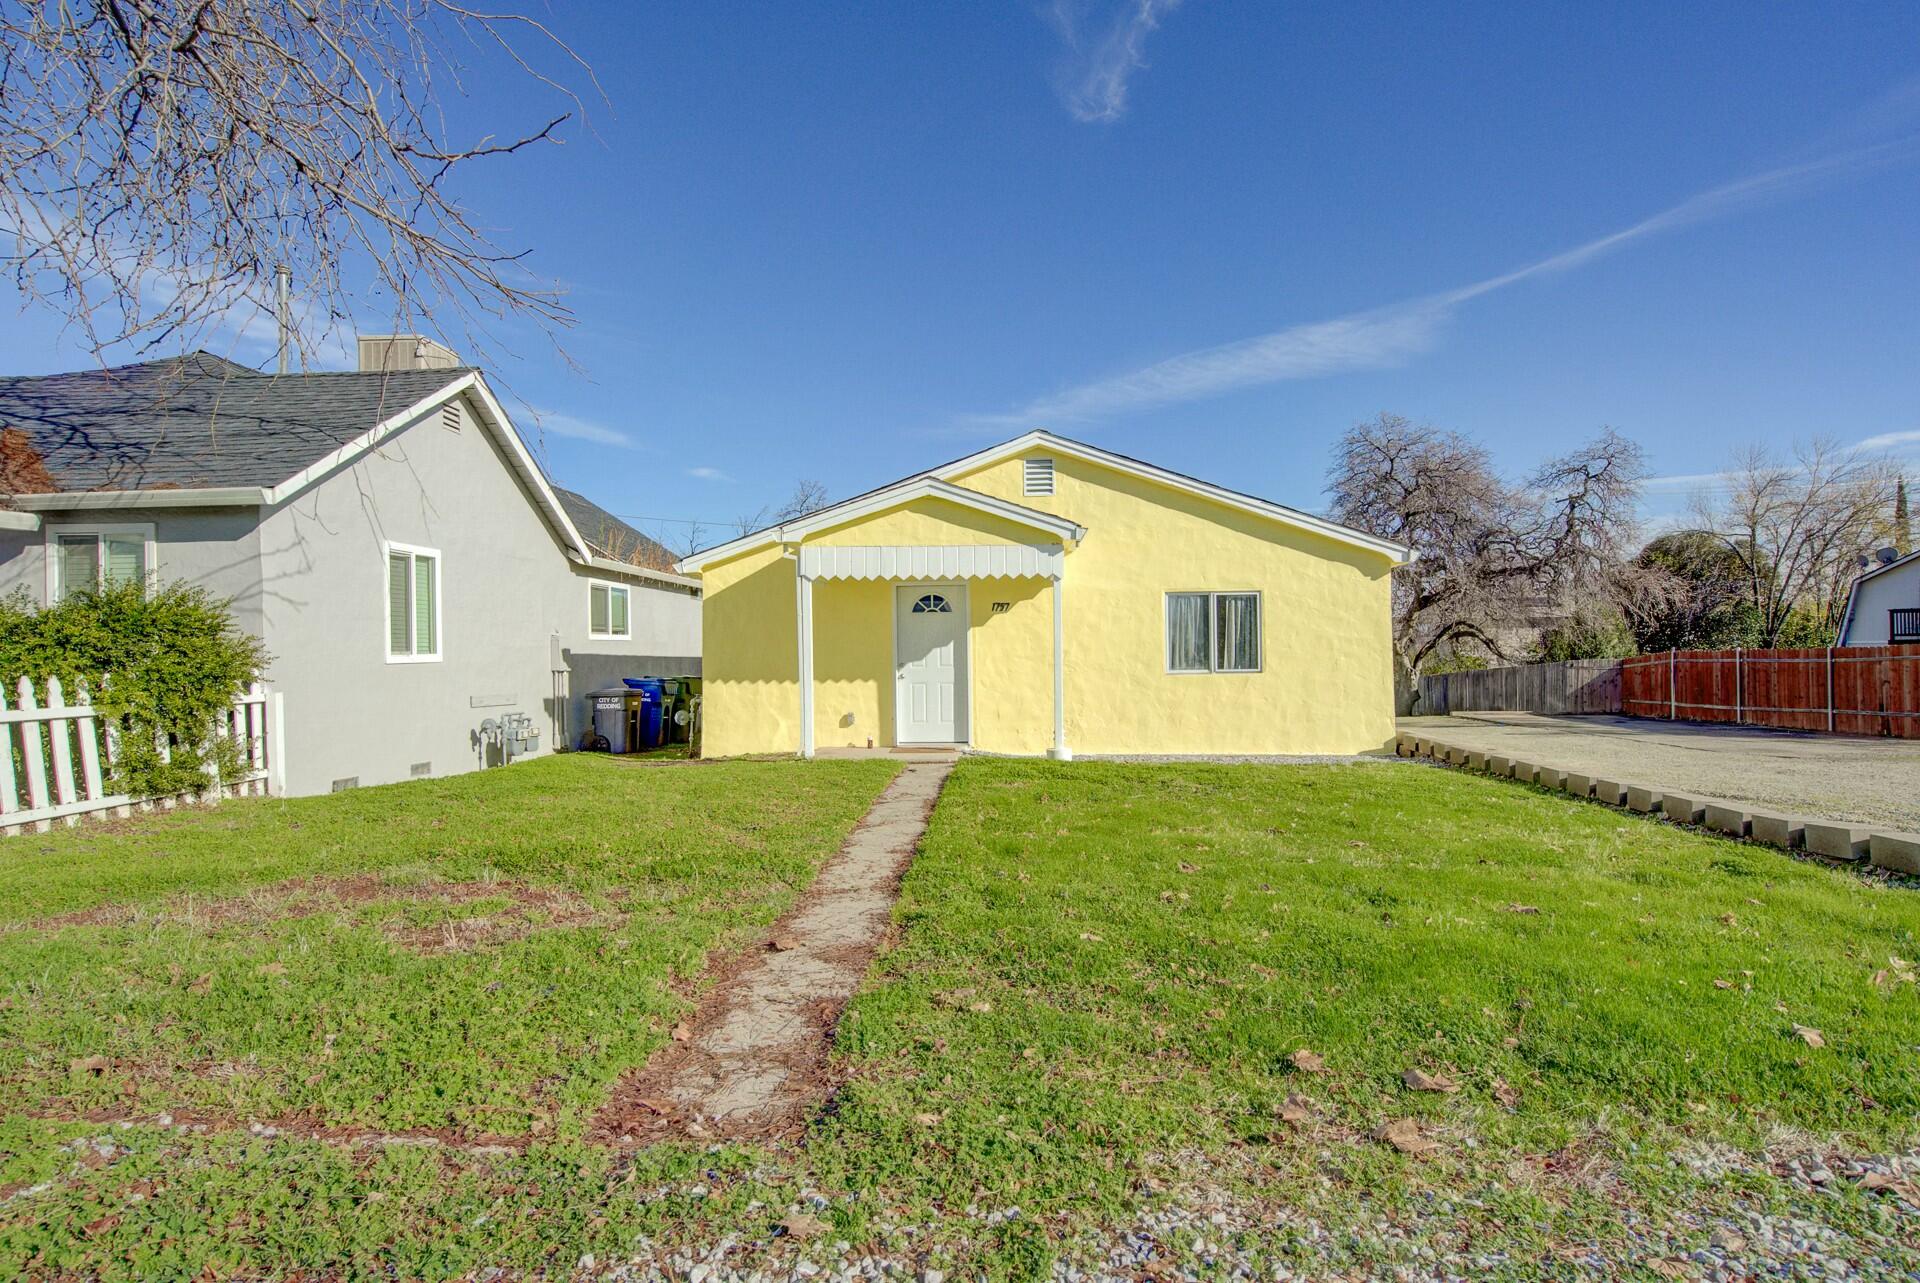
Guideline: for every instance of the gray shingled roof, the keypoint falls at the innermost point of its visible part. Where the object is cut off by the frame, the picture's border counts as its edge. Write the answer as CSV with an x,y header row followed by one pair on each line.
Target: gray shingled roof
x,y
608,535
199,420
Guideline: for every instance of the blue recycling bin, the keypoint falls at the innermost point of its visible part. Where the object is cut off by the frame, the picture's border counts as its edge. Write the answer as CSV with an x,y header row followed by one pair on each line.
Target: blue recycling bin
x,y
651,723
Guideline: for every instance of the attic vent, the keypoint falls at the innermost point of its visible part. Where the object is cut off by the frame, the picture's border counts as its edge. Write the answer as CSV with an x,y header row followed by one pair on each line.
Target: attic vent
x,y
1039,476
452,416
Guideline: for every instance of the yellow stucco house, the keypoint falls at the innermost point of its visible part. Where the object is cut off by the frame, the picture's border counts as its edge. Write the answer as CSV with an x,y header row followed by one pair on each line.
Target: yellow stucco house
x,y
1045,596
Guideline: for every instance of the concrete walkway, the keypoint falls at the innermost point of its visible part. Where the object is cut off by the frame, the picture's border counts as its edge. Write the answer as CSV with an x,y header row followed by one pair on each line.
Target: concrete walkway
x,y
752,1061
1835,777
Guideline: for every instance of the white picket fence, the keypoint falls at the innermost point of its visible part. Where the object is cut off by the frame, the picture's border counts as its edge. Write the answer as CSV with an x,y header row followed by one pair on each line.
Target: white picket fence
x,y
58,756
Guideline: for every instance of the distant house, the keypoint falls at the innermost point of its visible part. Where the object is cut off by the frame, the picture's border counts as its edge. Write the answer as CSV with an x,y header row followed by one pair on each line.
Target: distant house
x,y
1048,596
1883,606
384,531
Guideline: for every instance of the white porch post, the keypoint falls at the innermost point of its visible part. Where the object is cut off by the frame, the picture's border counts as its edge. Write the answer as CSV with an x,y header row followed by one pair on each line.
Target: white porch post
x,y
1059,752
803,618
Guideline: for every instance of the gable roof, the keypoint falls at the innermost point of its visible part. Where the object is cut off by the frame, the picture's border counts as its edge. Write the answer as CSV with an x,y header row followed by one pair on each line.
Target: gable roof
x,y
1400,553
942,476
1853,589
198,421
138,428
920,486
609,536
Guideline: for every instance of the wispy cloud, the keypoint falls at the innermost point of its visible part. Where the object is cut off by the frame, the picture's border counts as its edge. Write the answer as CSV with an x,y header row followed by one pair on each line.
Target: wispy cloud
x,y
1388,336
554,423
1093,78
1895,442
704,473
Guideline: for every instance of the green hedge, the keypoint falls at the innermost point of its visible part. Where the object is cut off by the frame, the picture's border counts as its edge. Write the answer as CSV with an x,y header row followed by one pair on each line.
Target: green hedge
x,y
155,660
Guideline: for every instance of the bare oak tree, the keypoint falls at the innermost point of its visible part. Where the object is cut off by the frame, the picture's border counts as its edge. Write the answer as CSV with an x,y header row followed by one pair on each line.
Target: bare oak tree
x,y
1489,551
160,159
1798,528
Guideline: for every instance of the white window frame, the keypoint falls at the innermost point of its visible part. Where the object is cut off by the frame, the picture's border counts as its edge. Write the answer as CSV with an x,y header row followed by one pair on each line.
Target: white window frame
x,y
52,533
1213,620
388,548
612,586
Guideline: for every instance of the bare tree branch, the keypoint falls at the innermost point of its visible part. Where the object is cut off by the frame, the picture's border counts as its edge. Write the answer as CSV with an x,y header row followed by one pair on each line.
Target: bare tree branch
x,y
160,158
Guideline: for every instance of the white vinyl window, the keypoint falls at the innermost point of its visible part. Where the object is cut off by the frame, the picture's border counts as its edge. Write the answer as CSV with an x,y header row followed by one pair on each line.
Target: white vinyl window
x,y
413,604
607,610
81,557
1213,632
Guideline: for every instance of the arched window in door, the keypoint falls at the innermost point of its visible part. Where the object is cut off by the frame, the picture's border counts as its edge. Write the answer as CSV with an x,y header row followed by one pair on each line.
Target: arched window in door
x,y
932,604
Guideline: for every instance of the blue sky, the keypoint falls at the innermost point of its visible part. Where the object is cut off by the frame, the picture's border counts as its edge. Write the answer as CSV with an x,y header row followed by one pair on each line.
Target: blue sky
x,y
849,242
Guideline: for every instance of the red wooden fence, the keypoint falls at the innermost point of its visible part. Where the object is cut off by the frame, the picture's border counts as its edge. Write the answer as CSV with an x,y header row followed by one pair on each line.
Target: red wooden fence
x,y
1850,690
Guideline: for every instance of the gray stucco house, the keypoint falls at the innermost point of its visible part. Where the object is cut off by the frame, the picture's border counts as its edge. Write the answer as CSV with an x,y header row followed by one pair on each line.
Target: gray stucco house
x,y
384,531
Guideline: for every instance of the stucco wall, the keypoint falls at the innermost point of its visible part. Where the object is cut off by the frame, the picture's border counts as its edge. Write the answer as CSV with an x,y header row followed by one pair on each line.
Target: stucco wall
x,y
1325,684
507,590
218,548
1895,590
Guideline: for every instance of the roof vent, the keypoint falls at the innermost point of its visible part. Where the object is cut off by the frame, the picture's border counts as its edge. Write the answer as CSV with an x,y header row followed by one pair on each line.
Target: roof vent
x,y
1039,476
379,352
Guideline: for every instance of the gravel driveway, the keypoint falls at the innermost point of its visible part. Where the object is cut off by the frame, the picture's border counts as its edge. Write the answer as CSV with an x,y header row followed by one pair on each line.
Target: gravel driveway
x,y
1839,777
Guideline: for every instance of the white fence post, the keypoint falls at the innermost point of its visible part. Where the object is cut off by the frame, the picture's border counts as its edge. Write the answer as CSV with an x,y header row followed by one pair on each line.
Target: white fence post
x,y
33,747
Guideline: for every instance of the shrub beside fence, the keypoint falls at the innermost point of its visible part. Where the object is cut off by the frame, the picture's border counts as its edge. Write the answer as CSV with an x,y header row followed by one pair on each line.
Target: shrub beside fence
x,y
59,759
1850,690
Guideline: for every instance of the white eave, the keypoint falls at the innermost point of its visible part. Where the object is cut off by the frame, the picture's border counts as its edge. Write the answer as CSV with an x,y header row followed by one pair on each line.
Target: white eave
x,y
607,565
209,497
922,486
1400,553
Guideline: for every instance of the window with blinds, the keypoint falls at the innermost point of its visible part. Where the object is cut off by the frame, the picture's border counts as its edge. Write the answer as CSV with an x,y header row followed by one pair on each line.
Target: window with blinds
x,y
85,560
413,603
607,610
1039,476
1213,632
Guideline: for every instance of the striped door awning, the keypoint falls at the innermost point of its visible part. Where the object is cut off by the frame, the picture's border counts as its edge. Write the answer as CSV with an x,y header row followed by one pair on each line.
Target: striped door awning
x,y
933,561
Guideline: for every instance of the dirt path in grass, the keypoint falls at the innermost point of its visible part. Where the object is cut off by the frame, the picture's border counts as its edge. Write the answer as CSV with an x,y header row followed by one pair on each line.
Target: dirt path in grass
x,y
752,1060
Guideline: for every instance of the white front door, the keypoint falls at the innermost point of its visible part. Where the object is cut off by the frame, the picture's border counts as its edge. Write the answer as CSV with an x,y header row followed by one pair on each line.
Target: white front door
x,y
930,664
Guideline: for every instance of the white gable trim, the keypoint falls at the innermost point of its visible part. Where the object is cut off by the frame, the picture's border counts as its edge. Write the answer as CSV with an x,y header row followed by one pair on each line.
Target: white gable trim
x,y
922,486
496,422
81,500
607,565
1400,553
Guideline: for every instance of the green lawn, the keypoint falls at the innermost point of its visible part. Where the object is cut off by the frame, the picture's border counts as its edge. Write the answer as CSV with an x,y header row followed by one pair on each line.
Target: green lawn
x,y
1103,966
1102,974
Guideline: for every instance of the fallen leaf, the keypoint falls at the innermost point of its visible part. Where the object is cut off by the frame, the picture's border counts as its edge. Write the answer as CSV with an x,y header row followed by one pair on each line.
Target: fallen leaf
x,y
928,1120
681,1033
1880,978
1878,1180
1404,1135
1356,842
1668,1268
1505,1094
1809,1035
1308,1062
202,983
802,1226
1088,935
1509,1041
1419,1081
272,969
1295,1109
102,1225
1718,983
781,944
1031,1053
982,1006
1523,908
1728,919
95,1065
1189,868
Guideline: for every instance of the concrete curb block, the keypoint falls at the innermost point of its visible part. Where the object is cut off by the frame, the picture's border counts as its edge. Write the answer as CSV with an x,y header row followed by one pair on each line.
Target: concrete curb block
x,y
1838,841
1730,820
1895,851
1682,809
1788,832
